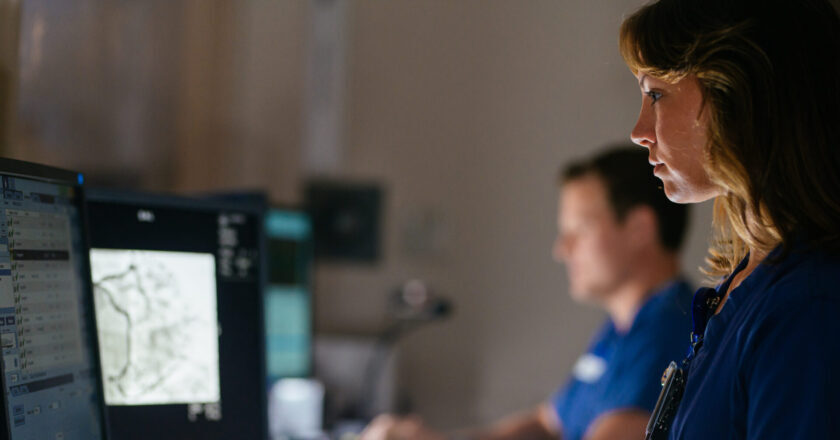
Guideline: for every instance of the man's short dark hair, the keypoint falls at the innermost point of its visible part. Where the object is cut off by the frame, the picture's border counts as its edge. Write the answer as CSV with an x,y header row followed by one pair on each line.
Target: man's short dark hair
x,y
630,183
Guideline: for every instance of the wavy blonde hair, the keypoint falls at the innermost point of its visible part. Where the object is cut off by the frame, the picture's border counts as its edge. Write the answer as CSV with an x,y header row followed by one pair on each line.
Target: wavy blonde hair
x,y
769,72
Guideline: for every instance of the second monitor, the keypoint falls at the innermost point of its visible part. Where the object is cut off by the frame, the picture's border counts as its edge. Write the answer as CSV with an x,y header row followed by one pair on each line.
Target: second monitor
x,y
177,289
288,296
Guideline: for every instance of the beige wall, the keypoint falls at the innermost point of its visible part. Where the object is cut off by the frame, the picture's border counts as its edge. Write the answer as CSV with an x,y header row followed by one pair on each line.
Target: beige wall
x,y
463,110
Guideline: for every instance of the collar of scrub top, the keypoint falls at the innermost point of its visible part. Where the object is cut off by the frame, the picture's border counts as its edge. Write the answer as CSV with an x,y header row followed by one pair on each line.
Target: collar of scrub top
x,y
703,307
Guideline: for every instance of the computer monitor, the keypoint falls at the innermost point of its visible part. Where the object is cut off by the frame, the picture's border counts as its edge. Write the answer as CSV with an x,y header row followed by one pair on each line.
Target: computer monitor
x,y
178,296
52,388
288,301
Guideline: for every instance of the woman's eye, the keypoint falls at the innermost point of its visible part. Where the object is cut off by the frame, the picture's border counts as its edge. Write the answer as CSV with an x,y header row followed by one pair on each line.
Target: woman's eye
x,y
654,96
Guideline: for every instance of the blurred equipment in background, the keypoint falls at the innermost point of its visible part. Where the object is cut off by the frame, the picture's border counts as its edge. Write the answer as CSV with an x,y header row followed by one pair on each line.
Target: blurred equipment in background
x,y
411,306
288,294
359,372
295,399
341,362
413,303
178,288
295,409
346,218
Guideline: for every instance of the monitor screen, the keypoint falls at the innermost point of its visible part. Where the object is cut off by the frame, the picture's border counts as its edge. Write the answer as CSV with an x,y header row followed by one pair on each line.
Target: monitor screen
x,y
288,316
177,288
51,380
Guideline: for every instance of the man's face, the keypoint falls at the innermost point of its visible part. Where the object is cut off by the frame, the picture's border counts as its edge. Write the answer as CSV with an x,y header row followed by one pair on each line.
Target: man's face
x,y
590,241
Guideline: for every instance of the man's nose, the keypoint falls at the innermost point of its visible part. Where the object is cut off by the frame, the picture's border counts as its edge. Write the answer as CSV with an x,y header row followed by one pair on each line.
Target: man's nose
x,y
561,248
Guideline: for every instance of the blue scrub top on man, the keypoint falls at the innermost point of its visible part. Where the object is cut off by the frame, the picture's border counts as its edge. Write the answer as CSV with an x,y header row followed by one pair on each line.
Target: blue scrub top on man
x,y
622,370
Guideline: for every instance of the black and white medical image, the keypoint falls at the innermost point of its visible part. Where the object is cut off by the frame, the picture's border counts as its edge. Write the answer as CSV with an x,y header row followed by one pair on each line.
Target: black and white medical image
x,y
158,326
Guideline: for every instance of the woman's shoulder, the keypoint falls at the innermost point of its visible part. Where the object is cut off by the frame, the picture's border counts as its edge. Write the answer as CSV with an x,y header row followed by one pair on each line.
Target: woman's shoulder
x,y
795,285
804,275
786,333
794,300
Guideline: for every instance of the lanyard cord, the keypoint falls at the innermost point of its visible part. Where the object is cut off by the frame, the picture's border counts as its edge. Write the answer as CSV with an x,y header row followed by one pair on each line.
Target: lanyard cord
x,y
705,303
703,307
674,379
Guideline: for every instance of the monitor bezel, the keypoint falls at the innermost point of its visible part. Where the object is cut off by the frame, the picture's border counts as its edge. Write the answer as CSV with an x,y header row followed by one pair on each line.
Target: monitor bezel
x,y
49,174
168,200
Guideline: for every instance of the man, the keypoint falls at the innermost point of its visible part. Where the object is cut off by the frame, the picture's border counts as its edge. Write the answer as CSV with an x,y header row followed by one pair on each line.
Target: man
x,y
619,238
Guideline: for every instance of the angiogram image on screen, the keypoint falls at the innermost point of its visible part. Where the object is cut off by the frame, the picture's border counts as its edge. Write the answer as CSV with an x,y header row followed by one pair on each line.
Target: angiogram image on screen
x,y
158,326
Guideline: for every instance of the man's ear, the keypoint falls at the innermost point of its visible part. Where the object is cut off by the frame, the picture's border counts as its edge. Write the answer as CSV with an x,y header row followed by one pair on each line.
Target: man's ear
x,y
641,226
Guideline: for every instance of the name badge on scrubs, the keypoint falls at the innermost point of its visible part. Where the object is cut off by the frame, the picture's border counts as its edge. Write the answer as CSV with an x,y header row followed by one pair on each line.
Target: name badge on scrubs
x,y
589,368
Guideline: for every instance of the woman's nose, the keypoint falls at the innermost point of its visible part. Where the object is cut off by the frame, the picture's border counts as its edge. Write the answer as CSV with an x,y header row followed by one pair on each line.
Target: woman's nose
x,y
643,132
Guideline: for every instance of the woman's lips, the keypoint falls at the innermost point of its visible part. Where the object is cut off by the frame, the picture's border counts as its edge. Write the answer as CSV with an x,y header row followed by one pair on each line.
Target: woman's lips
x,y
658,167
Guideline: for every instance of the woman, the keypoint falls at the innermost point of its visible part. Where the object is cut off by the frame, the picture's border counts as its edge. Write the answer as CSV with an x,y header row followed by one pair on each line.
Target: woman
x,y
740,103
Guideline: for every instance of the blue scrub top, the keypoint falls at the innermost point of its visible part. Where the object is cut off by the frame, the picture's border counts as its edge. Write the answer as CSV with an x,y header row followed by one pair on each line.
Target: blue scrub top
x,y
623,370
769,366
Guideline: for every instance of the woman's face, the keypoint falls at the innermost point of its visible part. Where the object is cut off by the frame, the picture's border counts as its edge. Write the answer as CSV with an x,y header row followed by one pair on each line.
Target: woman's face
x,y
672,126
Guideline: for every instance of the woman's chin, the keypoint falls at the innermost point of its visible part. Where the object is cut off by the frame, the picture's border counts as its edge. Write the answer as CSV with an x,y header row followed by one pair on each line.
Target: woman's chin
x,y
685,194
